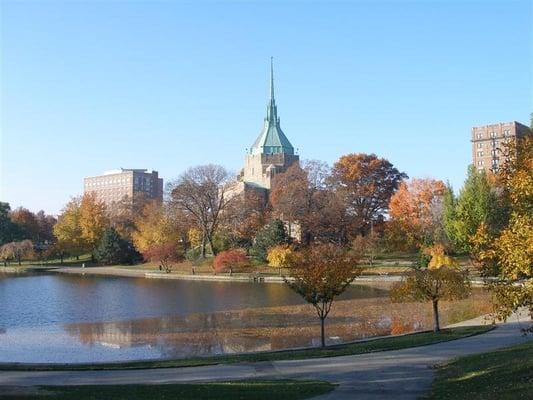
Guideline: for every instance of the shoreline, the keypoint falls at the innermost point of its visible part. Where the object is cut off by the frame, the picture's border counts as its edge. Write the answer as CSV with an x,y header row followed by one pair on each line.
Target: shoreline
x,y
236,277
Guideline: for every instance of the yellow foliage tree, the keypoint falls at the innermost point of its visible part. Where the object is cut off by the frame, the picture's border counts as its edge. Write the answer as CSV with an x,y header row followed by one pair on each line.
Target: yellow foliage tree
x,y
155,226
439,258
281,256
67,230
93,220
512,250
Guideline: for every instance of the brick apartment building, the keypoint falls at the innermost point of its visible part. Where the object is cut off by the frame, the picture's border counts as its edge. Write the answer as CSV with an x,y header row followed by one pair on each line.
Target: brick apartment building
x,y
113,186
488,140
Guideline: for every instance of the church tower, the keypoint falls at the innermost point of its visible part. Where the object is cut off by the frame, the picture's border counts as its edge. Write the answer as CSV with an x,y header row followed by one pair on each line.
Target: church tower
x,y
271,153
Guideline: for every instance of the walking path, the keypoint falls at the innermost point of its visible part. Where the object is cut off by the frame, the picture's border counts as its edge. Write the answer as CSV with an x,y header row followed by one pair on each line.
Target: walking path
x,y
400,374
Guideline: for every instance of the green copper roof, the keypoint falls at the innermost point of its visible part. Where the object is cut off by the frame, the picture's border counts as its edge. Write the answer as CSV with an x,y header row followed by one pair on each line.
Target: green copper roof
x,y
272,140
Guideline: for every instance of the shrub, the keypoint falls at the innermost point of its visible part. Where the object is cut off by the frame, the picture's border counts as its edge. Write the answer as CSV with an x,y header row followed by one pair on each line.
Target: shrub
x,y
229,260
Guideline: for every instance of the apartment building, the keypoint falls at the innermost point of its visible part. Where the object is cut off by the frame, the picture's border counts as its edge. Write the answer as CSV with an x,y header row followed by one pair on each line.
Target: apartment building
x,y
488,143
113,186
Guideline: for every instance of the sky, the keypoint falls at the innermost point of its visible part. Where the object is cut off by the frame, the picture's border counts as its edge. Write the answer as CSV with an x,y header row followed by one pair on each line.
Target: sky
x,y
89,86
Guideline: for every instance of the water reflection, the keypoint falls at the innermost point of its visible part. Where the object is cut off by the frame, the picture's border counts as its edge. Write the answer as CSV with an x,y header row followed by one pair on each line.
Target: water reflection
x,y
268,328
98,319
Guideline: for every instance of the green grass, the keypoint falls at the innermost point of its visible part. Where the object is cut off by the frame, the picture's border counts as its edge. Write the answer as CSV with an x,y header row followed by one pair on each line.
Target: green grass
x,y
235,390
503,374
384,344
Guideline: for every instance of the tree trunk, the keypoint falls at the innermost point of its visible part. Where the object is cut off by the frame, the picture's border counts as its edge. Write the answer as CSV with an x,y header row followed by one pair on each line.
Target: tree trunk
x,y
436,326
18,259
61,258
202,252
322,333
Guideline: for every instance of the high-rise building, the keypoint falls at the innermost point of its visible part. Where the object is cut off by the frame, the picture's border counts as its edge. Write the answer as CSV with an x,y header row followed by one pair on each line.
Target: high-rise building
x,y
488,143
113,186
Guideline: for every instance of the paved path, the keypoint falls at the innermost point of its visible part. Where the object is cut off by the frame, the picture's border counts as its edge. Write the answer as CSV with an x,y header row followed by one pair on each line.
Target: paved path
x,y
400,374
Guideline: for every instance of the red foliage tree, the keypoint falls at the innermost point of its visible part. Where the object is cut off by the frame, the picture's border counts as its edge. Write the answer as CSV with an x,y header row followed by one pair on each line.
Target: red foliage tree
x,y
229,260
166,254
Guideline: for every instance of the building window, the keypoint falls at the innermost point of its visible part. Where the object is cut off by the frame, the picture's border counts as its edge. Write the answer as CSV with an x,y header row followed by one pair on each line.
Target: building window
x,y
480,145
480,154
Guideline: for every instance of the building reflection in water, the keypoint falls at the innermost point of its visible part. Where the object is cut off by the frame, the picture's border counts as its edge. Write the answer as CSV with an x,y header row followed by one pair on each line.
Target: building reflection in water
x,y
262,329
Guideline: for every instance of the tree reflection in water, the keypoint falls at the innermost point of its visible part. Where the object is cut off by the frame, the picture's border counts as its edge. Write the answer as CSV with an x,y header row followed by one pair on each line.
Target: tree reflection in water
x,y
272,328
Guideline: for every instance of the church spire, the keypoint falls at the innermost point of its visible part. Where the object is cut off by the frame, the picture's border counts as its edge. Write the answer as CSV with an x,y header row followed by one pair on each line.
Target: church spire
x,y
271,78
272,112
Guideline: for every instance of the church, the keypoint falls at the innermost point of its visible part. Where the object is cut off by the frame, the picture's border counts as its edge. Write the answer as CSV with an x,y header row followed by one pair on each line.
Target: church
x,y
272,153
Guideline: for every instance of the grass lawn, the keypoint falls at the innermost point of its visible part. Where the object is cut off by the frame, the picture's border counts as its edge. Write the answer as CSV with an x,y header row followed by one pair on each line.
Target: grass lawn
x,y
389,343
236,390
502,374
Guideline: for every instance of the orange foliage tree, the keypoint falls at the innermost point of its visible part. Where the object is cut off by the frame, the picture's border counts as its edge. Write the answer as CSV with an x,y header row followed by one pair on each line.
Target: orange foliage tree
x,y
228,260
366,184
415,214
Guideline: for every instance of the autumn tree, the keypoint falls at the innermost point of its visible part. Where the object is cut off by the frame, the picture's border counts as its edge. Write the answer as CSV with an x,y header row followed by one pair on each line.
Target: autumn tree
x,y
290,195
270,235
281,256
93,221
510,252
200,192
441,280
166,254
320,274
229,260
17,251
68,231
45,227
415,212
27,223
366,184
304,196
159,223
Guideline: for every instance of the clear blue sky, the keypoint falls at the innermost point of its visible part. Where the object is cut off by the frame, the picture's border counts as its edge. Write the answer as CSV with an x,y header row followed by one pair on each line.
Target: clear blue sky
x,y
91,86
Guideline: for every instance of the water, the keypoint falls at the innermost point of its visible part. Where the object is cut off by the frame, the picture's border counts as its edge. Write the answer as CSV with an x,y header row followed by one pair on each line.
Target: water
x,y
73,318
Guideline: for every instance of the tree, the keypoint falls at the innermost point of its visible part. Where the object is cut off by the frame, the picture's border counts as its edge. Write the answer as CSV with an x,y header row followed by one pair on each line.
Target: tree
x,y
322,273
290,195
27,223
200,192
158,224
270,235
366,184
166,254
477,204
113,249
281,256
441,280
45,225
415,212
228,260
67,230
93,220
510,253
17,251
8,230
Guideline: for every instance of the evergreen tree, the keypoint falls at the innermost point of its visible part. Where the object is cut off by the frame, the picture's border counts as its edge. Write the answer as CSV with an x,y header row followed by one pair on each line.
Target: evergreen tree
x,y
269,236
477,204
113,249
